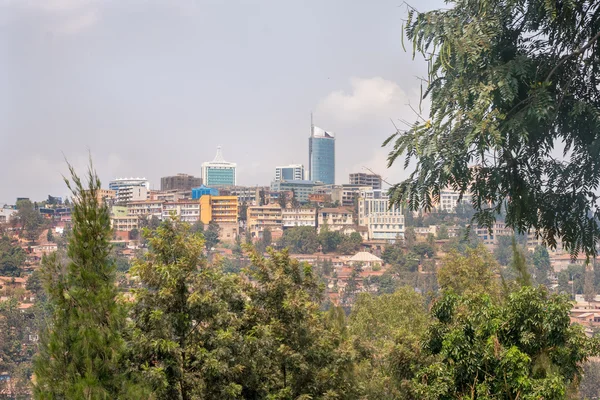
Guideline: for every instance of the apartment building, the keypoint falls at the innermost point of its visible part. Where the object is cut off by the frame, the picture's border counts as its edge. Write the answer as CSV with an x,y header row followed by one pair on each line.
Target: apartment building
x,y
336,219
220,209
130,189
179,182
490,239
301,189
124,223
146,208
261,217
292,217
381,221
186,211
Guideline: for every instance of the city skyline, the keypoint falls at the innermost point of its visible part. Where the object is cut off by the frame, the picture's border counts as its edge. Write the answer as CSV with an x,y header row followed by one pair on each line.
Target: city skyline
x,y
154,95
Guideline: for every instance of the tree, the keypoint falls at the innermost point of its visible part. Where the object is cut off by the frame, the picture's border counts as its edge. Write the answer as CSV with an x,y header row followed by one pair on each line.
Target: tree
x,y
265,241
474,272
524,347
243,213
541,263
410,237
503,251
12,257
329,240
298,355
211,235
31,221
197,227
134,234
510,82
350,244
81,348
300,239
443,233
49,235
589,292
186,337
282,200
386,332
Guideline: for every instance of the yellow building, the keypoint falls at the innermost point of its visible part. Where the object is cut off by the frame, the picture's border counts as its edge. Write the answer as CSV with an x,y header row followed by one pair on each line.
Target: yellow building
x,y
220,209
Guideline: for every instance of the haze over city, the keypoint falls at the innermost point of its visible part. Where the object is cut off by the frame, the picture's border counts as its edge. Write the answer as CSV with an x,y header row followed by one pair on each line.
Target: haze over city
x,y
153,90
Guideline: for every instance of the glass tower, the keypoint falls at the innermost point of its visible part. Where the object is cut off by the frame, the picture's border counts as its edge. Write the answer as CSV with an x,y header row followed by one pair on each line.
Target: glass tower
x,y
321,156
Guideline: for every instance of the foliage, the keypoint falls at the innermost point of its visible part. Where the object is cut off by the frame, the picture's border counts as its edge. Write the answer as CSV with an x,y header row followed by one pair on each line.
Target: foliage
x,y
410,237
31,221
350,244
503,251
590,384
211,235
541,264
464,240
522,348
510,82
12,257
474,272
329,240
300,240
386,332
265,241
184,339
243,213
50,235
443,233
81,348
301,356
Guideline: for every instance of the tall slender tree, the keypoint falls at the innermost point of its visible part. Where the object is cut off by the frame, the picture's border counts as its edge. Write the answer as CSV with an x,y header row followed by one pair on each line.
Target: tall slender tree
x,y
81,346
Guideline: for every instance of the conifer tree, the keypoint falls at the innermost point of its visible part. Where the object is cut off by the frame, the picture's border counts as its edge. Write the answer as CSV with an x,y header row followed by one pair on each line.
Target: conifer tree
x,y
81,346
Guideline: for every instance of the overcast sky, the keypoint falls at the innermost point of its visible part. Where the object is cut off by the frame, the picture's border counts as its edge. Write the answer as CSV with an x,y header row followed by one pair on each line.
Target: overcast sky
x,y
152,87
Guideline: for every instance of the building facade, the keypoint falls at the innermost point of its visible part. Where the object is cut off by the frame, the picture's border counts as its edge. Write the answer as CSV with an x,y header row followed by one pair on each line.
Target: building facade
x,y
292,217
198,192
186,211
301,189
219,209
321,156
292,172
219,172
130,189
179,182
336,219
362,179
146,208
261,217
381,221
124,223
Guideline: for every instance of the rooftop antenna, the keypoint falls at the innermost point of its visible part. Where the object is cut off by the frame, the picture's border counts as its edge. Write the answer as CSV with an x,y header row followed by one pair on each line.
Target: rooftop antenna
x,y
312,126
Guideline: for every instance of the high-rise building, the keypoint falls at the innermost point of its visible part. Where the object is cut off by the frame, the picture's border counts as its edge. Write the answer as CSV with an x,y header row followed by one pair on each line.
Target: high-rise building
x,y
362,179
130,189
179,182
219,172
321,156
292,172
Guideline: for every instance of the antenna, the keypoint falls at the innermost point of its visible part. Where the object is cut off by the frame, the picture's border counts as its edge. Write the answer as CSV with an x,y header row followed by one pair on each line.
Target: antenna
x,y
312,126
219,156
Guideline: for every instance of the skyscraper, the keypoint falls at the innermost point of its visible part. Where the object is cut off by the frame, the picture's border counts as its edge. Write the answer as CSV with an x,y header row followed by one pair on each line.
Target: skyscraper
x,y
321,155
218,172
292,172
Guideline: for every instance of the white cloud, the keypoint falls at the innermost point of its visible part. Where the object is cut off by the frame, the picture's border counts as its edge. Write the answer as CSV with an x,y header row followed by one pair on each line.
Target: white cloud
x,y
369,98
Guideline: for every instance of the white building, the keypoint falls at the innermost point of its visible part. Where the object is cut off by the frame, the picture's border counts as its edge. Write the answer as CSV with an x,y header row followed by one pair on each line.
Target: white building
x,y
219,172
292,172
145,208
6,213
374,213
292,217
187,211
336,219
130,189
449,200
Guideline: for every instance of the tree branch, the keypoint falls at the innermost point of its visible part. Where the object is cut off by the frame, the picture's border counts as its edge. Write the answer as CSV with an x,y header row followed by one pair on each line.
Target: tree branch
x,y
574,53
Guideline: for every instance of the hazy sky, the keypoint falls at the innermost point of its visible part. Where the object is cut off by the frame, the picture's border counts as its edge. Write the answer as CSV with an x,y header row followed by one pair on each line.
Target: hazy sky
x,y
152,87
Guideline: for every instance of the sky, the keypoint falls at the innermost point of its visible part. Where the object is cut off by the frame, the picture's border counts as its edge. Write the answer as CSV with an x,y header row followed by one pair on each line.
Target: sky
x,y
150,88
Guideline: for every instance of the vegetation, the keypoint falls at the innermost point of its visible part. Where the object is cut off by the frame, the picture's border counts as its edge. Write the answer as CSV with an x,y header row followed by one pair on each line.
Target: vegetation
x,y
31,221
510,82
12,257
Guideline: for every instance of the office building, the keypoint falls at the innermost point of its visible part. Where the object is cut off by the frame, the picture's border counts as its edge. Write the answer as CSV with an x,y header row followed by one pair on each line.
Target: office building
x,y
130,189
374,212
185,210
301,189
203,190
145,208
292,172
219,209
219,172
179,182
362,179
321,156
335,219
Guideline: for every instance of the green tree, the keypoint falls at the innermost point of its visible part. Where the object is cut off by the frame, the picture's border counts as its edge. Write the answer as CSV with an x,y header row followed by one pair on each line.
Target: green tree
x,y
243,212
186,337
510,82
410,237
350,244
265,241
12,257
300,239
474,272
298,354
523,348
503,251
49,235
541,263
211,235
81,348
443,233
31,221
386,332
329,240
